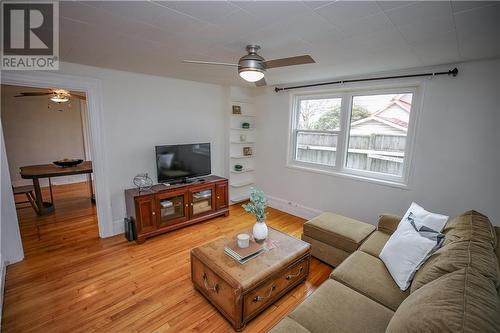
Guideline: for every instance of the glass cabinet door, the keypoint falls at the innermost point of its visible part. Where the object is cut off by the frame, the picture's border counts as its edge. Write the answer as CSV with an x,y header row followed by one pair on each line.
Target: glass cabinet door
x,y
202,201
172,210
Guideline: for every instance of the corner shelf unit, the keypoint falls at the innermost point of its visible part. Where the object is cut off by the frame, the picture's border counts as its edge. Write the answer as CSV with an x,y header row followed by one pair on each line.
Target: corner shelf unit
x,y
241,139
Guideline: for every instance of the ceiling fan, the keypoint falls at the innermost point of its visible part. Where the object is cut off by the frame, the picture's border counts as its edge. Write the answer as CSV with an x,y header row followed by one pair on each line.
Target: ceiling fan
x,y
252,67
56,95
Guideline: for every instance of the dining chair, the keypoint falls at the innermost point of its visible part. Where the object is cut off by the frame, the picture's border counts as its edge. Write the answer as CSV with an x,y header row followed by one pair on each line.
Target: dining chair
x,y
27,190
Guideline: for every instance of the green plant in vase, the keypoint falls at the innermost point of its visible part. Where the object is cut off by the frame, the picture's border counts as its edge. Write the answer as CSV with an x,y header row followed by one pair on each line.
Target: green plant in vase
x,y
257,206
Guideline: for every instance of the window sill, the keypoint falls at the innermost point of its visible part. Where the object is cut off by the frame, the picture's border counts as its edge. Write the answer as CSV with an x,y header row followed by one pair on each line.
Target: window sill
x,y
346,175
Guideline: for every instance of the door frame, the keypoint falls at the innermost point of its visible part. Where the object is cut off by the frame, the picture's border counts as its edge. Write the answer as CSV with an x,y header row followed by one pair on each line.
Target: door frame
x,y
93,90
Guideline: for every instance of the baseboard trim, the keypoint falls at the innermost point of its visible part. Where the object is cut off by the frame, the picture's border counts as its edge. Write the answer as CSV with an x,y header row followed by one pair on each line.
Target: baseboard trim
x,y
293,208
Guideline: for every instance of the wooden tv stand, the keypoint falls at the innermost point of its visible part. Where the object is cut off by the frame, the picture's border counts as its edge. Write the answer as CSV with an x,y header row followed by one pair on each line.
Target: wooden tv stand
x,y
165,208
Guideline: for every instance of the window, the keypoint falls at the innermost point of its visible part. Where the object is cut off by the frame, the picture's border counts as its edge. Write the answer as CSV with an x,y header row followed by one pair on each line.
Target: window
x,y
362,134
317,130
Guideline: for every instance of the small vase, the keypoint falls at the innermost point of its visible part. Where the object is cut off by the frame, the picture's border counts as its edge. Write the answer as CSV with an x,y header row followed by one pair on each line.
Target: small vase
x,y
260,231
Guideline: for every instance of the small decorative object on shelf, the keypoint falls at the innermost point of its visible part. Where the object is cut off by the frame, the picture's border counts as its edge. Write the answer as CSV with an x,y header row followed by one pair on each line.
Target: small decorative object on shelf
x,y
143,182
238,167
236,109
257,207
245,125
243,138
247,151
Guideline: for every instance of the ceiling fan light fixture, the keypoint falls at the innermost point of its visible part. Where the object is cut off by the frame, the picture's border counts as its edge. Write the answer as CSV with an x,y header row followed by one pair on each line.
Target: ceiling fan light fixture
x,y
251,75
252,67
59,98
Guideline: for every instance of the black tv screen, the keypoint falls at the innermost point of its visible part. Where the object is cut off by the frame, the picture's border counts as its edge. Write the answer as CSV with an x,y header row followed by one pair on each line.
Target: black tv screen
x,y
176,162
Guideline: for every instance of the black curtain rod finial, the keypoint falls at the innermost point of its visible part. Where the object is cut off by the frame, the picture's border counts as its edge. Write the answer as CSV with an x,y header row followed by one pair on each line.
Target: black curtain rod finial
x,y
453,72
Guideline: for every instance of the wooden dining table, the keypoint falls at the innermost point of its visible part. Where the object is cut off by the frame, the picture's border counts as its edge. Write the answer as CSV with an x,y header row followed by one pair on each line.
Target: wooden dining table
x,y
35,172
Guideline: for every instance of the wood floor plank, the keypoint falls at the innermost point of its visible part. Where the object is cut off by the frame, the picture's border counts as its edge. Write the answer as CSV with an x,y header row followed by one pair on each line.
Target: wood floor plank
x,y
73,281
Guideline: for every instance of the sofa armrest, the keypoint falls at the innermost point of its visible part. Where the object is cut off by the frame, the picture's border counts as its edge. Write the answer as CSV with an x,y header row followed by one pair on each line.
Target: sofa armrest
x,y
388,223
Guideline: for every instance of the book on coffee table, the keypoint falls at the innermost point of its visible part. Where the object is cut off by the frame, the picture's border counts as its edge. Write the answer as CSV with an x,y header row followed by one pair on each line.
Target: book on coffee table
x,y
243,255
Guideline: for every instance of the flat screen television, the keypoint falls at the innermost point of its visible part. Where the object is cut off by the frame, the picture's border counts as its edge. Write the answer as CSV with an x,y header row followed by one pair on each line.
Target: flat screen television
x,y
176,163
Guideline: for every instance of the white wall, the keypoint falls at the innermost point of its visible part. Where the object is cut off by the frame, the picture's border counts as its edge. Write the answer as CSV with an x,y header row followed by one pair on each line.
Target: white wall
x,y
456,165
458,133
142,111
35,134
11,248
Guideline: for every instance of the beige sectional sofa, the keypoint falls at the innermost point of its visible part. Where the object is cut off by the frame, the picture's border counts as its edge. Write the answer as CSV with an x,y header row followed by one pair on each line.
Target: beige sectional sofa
x,y
456,290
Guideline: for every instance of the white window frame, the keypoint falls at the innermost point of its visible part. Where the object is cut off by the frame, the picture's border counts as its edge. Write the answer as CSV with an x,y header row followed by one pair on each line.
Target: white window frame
x,y
295,130
340,168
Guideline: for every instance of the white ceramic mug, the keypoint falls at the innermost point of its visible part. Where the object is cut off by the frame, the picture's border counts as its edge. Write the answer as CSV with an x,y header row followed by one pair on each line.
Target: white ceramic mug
x,y
243,240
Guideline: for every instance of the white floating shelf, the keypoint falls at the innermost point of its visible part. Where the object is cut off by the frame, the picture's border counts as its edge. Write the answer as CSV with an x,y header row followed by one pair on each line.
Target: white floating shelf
x,y
242,142
242,184
243,156
240,199
243,115
242,171
242,129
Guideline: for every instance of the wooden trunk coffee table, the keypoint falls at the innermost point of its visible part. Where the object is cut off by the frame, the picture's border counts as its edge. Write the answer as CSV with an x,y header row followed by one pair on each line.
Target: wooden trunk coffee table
x,y
242,291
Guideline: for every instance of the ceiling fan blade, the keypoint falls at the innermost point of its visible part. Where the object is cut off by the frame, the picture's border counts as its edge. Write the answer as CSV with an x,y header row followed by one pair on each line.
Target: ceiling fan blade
x,y
25,94
78,96
261,83
299,60
209,63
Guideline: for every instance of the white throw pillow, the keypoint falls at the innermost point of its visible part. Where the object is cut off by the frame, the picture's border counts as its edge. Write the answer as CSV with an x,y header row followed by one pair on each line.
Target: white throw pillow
x,y
418,235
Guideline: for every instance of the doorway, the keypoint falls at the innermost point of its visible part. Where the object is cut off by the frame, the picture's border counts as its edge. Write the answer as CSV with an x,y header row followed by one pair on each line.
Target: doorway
x,y
43,127
93,91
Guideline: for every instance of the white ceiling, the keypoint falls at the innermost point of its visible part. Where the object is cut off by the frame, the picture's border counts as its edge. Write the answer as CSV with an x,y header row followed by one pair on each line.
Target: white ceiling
x,y
344,37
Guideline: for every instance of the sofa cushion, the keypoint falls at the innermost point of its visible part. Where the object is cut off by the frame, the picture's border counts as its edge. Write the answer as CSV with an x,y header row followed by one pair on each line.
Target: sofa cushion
x,y
339,231
375,243
388,223
335,307
457,255
462,301
368,275
470,225
497,250
288,325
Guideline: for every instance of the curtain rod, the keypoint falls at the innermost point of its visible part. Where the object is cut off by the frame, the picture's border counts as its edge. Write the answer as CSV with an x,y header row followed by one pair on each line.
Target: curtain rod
x,y
452,72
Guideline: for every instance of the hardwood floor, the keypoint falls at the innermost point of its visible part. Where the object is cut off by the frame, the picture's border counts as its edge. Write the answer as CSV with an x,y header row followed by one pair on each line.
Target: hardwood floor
x,y
73,281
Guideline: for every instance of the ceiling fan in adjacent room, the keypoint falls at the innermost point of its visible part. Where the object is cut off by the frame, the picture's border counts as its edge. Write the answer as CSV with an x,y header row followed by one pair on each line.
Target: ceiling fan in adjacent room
x,y
56,95
252,67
